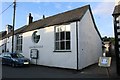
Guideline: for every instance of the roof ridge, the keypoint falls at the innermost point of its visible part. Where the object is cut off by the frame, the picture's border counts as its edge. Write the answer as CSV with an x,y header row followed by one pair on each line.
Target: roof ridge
x,y
79,12
63,17
63,12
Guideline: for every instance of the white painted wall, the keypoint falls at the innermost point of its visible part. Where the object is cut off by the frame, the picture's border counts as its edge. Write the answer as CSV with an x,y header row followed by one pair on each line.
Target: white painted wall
x,y
47,56
3,44
90,44
9,44
0,46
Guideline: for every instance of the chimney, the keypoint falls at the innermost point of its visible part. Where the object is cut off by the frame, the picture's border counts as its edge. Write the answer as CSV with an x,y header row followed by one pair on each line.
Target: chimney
x,y
8,28
117,2
29,19
43,16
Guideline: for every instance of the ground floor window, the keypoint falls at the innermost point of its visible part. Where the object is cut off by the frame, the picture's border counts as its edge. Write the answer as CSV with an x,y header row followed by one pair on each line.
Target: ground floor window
x,y
62,38
19,43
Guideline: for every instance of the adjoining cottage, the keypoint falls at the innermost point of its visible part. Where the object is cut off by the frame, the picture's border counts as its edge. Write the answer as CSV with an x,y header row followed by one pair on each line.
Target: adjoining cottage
x,y
2,42
66,40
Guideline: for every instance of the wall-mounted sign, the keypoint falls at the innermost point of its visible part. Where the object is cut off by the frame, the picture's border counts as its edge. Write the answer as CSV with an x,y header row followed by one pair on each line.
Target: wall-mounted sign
x,y
35,37
104,61
37,46
34,53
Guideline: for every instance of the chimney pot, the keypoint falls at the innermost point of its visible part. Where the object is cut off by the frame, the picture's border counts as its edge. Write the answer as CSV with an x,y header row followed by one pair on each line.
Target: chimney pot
x,y
30,19
43,16
8,28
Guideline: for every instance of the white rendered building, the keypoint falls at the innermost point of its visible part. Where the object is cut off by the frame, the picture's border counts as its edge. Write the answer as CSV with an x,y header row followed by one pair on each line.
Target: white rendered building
x,y
66,40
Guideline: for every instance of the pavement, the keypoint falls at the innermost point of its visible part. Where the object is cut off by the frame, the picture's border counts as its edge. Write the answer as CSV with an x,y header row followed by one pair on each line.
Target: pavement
x,y
37,72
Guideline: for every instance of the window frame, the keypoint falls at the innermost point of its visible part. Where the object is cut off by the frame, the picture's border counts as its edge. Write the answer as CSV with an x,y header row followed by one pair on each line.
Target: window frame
x,y
19,43
65,40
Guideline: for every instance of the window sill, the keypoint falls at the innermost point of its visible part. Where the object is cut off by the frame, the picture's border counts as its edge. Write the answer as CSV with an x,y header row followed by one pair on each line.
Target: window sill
x,y
62,51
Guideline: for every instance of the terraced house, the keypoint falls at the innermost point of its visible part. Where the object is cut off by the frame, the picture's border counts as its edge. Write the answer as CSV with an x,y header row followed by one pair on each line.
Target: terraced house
x,y
66,40
116,19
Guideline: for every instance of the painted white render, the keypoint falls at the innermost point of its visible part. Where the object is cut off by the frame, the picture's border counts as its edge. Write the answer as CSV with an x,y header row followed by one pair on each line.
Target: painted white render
x,y
9,44
86,44
90,44
0,46
3,45
47,55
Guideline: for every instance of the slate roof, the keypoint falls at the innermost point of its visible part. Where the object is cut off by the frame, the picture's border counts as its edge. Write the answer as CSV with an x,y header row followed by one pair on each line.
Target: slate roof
x,y
61,18
18,31
65,17
116,10
2,34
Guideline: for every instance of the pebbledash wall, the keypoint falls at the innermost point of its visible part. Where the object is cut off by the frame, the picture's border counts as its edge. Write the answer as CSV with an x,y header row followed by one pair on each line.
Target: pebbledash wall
x,y
85,44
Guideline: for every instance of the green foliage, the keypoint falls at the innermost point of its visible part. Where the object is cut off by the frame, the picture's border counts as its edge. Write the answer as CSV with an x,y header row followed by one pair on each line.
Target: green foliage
x,y
109,39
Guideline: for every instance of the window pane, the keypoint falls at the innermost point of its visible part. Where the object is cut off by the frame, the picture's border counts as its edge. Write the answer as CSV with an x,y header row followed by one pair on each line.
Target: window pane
x,y
67,35
20,48
62,35
67,27
21,41
57,29
56,45
16,47
57,36
62,45
38,37
62,28
18,41
67,45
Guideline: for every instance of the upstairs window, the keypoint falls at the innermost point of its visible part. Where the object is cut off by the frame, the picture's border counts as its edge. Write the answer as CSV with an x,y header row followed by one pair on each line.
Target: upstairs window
x,y
62,38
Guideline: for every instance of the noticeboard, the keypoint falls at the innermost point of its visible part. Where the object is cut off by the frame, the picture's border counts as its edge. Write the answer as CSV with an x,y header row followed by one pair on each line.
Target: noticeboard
x,y
34,53
104,61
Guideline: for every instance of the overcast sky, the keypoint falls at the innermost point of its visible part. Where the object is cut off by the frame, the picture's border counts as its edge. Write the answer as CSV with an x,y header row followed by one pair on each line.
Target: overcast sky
x,y
102,12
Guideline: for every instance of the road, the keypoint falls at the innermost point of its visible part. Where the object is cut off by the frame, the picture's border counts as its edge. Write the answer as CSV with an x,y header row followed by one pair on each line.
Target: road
x,y
33,71
47,72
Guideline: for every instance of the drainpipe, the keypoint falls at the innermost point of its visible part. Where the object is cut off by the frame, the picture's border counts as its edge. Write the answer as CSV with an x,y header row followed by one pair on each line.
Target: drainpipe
x,y
77,44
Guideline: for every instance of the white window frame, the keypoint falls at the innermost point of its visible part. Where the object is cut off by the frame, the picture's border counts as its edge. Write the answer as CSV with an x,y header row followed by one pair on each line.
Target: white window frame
x,y
64,40
19,44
